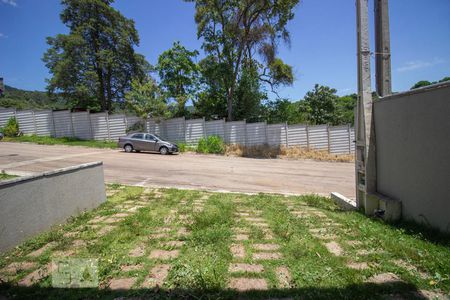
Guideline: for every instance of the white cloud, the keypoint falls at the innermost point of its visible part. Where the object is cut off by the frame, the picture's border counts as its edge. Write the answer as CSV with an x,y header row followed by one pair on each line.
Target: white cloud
x,y
420,64
10,2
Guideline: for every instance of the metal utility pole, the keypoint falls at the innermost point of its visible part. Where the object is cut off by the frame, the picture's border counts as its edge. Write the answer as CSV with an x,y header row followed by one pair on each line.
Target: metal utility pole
x,y
365,137
382,48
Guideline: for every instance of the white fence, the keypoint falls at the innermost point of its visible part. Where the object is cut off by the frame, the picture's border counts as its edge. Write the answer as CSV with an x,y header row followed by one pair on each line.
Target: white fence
x,y
101,126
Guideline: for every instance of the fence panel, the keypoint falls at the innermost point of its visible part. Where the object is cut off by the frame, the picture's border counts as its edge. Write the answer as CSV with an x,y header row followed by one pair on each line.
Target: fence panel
x,y
5,114
174,130
44,122
154,127
235,132
117,126
352,140
99,125
81,125
318,137
26,121
216,127
256,134
62,123
339,140
297,135
276,134
195,130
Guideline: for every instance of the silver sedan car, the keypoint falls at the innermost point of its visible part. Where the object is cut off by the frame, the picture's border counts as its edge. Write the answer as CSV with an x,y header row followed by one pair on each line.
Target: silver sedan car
x,y
140,141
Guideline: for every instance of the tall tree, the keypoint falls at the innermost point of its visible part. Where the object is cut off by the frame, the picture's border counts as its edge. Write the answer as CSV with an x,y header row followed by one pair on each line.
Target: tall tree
x,y
146,99
179,75
94,64
237,32
320,105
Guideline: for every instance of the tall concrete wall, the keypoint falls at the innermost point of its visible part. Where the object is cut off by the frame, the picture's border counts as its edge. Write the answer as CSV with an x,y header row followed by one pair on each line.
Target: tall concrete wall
x,y
413,152
30,205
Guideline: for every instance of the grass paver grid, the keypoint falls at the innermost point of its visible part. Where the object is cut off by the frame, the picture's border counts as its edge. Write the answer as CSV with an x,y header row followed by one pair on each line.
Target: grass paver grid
x,y
182,243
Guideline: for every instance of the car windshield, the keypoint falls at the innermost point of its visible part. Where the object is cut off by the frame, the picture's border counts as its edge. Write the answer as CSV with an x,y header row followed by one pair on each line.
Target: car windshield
x,y
157,136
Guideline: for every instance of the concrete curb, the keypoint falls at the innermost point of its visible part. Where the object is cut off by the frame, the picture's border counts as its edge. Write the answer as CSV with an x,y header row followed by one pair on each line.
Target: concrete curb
x,y
343,202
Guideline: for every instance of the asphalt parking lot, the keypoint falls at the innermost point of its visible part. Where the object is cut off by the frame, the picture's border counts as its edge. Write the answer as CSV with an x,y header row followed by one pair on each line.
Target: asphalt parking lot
x,y
190,171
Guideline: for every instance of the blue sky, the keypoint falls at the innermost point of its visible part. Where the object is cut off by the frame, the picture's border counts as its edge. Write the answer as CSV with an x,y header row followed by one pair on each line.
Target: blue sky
x,y
323,48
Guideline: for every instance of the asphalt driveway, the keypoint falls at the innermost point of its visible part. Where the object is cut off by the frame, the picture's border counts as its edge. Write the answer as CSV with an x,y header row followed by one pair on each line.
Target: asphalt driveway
x,y
192,171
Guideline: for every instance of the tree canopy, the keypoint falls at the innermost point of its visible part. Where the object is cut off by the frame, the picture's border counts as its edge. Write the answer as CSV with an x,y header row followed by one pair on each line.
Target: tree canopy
x,y
93,65
243,35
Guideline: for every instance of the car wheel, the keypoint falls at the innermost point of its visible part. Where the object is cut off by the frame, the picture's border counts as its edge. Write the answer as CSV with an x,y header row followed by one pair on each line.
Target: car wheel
x,y
128,148
163,150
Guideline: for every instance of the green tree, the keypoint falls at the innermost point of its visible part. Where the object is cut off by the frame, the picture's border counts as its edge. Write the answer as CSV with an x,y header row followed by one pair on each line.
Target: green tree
x,y
94,63
147,100
320,105
179,75
420,84
283,110
242,32
345,110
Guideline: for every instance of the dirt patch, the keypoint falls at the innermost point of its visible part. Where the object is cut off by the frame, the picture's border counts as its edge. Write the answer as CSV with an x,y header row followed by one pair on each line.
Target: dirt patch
x,y
248,284
157,276
37,275
249,268
71,234
354,243
164,254
182,232
155,236
162,229
105,230
65,253
254,219
40,251
237,250
266,247
17,267
97,219
120,215
283,276
78,243
385,278
321,236
129,268
260,224
358,265
241,237
334,248
122,283
266,255
410,268
137,252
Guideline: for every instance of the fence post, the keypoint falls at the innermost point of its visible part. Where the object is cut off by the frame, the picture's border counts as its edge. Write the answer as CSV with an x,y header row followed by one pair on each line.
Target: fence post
x,y
91,131
53,122
125,120
286,127
267,136
245,132
107,125
329,144
224,126
349,139
204,128
72,130
34,123
184,131
307,137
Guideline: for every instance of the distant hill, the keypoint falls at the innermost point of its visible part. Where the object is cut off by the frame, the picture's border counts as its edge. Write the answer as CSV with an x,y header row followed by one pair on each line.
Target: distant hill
x,y
22,99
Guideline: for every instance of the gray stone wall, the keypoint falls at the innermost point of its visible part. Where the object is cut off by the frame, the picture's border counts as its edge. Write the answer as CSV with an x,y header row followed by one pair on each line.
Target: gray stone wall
x,y
33,204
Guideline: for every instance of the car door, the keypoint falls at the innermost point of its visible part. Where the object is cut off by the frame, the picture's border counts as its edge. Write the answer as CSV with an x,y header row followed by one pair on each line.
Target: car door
x,y
150,143
138,141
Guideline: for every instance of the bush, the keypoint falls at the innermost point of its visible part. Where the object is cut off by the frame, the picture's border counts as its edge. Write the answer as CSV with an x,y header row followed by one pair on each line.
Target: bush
x,y
11,128
139,126
212,144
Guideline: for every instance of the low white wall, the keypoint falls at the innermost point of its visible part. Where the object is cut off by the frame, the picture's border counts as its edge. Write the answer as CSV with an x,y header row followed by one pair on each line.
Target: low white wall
x,y
33,204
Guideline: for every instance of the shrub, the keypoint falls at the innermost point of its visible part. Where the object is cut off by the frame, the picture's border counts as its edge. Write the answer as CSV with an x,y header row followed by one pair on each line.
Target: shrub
x,y
212,144
139,126
11,128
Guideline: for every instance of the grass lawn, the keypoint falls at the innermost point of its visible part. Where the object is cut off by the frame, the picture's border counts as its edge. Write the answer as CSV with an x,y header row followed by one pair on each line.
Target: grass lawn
x,y
4,176
46,140
198,245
